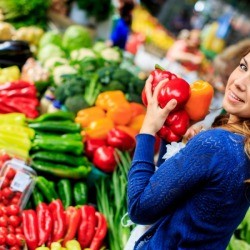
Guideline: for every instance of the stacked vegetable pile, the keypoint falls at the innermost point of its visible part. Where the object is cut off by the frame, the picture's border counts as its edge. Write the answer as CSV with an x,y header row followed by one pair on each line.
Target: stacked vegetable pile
x,y
57,148
19,96
51,223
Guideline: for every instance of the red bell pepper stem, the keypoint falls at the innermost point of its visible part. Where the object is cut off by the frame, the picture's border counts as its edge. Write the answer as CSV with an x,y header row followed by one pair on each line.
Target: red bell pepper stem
x,y
45,223
58,217
73,218
100,233
19,84
30,228
86,230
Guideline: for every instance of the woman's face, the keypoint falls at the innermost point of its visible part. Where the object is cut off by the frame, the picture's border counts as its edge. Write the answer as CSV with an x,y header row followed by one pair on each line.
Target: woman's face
x,y
237,94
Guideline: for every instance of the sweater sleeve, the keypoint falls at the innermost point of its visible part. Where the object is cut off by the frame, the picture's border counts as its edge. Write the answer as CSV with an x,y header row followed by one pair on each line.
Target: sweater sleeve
x,y
152,194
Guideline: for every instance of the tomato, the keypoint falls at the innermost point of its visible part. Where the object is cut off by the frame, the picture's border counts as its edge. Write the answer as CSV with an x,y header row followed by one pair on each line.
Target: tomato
x,y
14,201
11,173
11,239
13,209
3,230
14,220
3,221
177,89
11,229
7,193
6,183
3,208
19,230
20,239
16,247
2,239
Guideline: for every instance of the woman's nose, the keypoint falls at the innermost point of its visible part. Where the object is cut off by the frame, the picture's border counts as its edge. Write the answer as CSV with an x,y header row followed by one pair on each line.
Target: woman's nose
x,y
242,82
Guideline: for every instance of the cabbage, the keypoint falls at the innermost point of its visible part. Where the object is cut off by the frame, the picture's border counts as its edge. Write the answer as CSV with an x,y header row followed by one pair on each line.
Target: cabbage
x,y
51,37
76,37
51,63
49,51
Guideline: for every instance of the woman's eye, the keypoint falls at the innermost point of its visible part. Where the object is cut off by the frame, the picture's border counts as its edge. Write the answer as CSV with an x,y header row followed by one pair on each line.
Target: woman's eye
x,y
243,66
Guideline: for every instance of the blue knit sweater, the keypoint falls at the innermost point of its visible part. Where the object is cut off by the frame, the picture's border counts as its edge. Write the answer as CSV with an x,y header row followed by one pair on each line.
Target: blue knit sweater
x,y
196,199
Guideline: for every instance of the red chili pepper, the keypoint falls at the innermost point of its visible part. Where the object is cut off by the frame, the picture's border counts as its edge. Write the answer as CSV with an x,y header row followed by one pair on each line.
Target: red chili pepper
x,y
92,144
24,92
175,126
86,230
58,217
45,222
119,139
15,105
30,228
19,84
73,218
101,231
104,159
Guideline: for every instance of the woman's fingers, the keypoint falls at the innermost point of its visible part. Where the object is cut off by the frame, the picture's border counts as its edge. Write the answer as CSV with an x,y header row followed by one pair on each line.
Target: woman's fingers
x,y
148,87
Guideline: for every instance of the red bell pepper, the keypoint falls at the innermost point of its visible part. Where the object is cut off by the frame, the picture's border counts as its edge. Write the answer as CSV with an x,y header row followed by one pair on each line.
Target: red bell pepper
x,y
73,218
104,159
175,126
119,139
92,144
58,216
100,233
158,75
19,84
45,222
86,230
30,228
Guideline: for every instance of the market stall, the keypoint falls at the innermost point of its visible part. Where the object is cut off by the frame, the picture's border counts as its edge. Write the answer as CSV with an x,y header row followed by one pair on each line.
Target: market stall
x,y
70,108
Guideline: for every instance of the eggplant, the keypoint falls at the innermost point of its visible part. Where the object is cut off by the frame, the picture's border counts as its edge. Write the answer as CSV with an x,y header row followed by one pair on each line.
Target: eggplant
x,y
14,53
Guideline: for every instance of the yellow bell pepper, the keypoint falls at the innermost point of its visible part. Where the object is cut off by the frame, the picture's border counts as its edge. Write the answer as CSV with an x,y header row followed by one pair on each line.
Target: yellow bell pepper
x,y
109,99
99,128
86,116
136,122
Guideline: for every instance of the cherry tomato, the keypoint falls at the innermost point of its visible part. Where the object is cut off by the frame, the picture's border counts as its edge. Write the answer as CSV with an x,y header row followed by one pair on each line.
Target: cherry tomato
x,y
3,230
6,183
7,193
5,202
16,247
2,239
19,230
15,200
13,209
20,239
11,229
18,194
11,239
14,220
3,208
11,173
3,221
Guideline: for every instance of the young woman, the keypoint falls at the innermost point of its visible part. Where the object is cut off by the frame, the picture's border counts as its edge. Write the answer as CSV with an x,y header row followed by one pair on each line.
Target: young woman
x,y
198,197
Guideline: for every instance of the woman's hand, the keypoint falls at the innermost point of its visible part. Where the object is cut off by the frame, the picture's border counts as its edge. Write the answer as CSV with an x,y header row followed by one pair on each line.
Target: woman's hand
x,y
192,131
155,115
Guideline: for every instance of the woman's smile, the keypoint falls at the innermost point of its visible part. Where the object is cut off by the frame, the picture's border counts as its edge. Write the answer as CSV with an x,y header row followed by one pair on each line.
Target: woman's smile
x,y
234,98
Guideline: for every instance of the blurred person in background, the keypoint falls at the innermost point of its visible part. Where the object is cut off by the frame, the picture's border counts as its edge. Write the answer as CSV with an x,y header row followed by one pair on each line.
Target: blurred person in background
x,y
122,26
187,51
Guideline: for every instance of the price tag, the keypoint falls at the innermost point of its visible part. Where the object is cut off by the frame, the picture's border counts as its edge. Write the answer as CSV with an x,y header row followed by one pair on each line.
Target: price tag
x,y
20,182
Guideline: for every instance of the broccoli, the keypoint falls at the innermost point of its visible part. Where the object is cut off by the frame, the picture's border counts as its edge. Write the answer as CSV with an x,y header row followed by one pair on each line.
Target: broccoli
x,y
122,75
105,73
75,103
114,85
